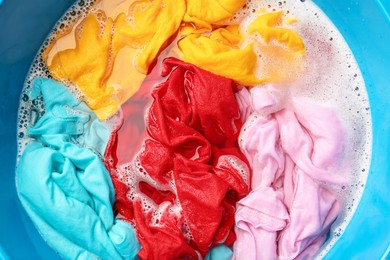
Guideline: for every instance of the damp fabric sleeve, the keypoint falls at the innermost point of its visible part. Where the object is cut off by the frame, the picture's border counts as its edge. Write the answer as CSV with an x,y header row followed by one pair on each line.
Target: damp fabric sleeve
x,y
65,188
192,144
292,152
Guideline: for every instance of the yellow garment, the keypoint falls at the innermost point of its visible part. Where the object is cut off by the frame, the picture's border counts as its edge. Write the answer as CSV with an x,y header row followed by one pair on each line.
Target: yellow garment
x,y
202,14
219,54
110,62
259,62
86,65
265,24
152,24
280,62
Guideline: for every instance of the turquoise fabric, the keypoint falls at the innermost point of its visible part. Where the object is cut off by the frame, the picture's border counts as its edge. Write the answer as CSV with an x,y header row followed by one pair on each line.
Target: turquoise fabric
x,y
65,188
66,115
220,252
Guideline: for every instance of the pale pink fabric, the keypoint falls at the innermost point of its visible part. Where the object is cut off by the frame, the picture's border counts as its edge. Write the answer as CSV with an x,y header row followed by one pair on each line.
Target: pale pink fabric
x,y
292,150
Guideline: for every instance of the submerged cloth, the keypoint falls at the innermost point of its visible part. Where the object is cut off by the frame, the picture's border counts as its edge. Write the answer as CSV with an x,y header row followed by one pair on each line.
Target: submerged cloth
x,y
222,53
185,182
112,55
128,136
65,188
289,210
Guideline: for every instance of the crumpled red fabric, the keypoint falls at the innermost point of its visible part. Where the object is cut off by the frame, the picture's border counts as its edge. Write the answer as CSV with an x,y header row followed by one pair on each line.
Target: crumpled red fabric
x,y
190,162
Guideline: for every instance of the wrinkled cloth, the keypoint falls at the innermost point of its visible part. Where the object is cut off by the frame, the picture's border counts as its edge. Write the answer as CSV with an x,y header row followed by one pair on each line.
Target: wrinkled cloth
x,y
65,188
292,150
265,26
65,114
154,23
219,53
201,15
248,55
112,55
193,125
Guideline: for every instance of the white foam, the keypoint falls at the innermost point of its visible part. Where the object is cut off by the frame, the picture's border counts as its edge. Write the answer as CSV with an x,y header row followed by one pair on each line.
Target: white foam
x,y
231,161
132,174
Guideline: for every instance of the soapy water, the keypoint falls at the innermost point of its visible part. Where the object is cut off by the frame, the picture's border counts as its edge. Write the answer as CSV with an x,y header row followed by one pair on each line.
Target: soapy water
x,y
330,76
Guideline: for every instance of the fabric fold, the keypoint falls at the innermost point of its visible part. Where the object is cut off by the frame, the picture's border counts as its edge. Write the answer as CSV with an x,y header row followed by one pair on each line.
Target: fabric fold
x,y
219,53
262,52
202,15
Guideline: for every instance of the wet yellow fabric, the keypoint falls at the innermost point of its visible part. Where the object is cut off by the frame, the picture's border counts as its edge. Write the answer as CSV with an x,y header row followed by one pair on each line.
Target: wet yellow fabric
x,y
281,51
218,53
202,14
277,57
110,62
152,24
265,24
86,65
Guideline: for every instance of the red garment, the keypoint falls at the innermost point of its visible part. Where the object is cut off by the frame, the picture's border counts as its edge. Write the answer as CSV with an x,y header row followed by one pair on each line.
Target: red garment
x,y
194,124
127,139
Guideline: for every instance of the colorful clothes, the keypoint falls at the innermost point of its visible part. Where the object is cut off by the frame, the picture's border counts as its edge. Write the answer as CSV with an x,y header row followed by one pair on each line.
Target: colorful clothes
x,y
289,211
179,173
65,188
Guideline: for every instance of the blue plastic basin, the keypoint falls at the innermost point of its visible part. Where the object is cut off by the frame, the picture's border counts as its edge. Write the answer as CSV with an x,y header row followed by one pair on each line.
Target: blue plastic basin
x,y
365,25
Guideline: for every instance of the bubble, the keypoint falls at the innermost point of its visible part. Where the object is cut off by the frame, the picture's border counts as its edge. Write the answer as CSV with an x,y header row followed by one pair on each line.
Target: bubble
x,y
25,97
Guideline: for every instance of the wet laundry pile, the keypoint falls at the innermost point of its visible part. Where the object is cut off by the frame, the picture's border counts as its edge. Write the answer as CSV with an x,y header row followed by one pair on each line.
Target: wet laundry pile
x,y
178,146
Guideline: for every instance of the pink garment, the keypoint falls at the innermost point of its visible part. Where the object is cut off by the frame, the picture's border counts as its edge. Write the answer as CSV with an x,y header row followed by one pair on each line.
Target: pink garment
x,y
291,151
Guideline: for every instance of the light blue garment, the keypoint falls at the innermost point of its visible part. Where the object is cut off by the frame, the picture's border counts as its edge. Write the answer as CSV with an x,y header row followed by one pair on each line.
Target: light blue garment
x,y
65,188
220,252
66,115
